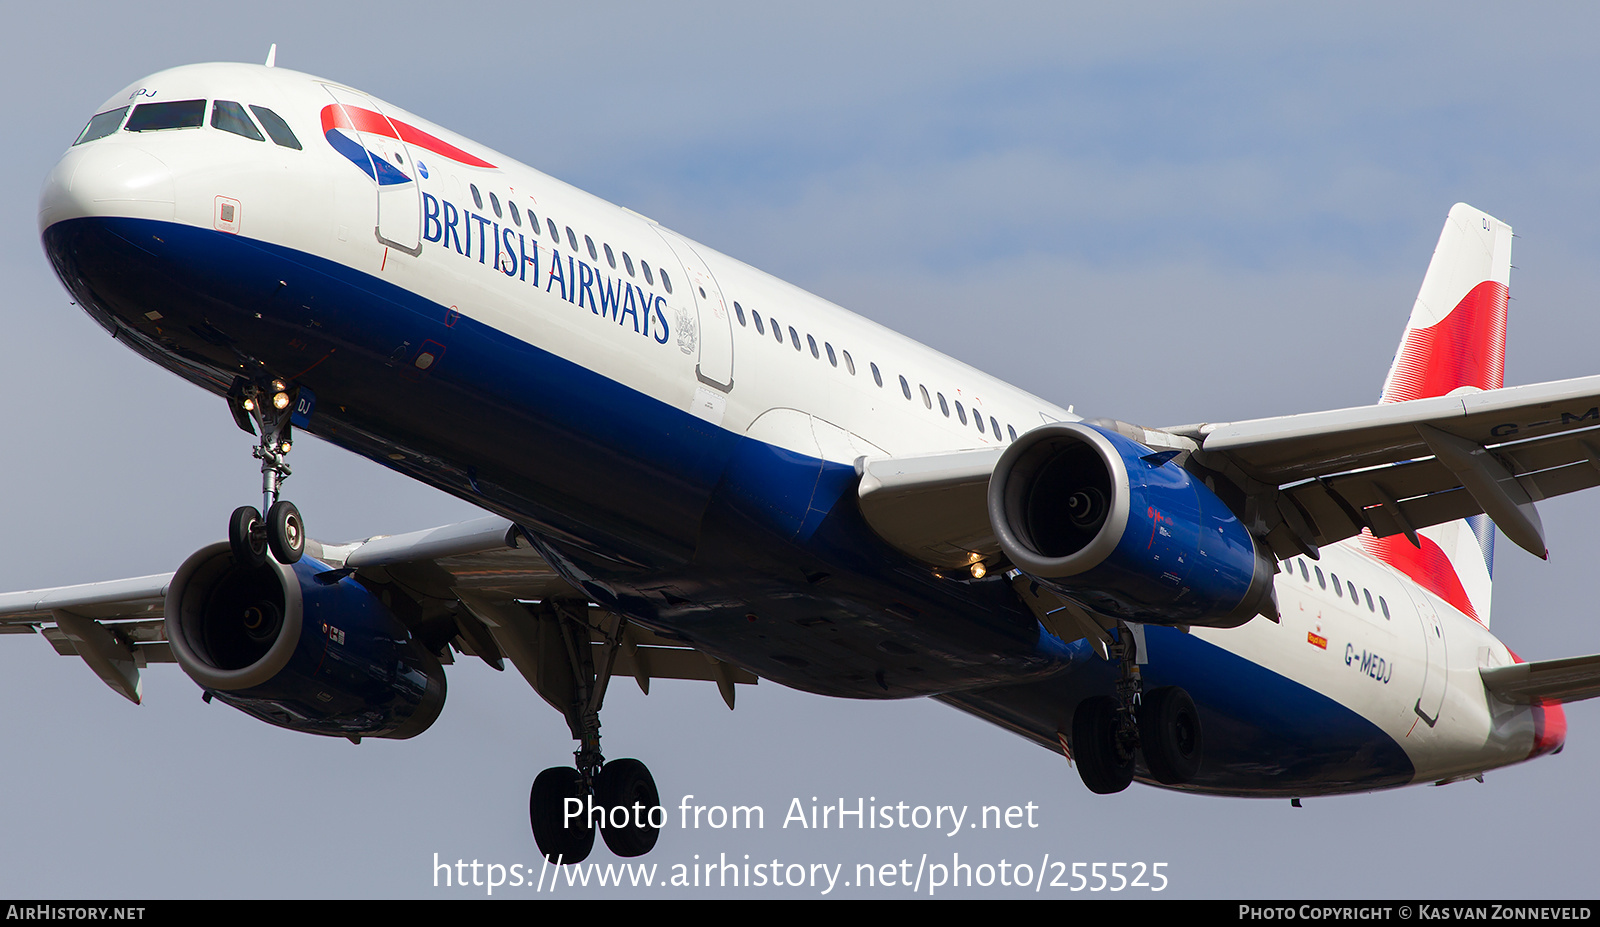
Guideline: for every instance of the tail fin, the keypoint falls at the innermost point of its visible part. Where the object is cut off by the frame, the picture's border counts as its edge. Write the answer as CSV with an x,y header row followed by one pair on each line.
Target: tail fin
x,y
1454,341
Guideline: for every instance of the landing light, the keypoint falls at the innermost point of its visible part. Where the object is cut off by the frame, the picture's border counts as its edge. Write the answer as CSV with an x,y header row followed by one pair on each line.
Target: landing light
x,y
978,570
249,405
280,400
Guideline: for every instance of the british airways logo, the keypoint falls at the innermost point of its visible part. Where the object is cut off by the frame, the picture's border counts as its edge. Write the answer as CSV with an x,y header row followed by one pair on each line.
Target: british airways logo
x,y
507,251
343,126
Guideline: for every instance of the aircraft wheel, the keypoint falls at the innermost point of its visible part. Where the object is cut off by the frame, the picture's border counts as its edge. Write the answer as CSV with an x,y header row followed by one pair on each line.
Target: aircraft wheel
x,y
547,813
1094,746
246,537
1169,733
286,533
628,784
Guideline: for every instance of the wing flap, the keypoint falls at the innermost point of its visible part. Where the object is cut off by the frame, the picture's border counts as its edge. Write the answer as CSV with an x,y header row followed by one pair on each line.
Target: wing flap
x,y
1403,497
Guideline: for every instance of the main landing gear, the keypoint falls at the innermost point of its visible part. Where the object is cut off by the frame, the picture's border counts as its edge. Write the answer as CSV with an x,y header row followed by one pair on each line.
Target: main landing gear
x,y
1163,724
264,410
567,803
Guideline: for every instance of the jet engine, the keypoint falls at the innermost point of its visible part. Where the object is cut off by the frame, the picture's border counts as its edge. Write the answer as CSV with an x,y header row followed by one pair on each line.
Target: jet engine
x,y
319,654
1125,530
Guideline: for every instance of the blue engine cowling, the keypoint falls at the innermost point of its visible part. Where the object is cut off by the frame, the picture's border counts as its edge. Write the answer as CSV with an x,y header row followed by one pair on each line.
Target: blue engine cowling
x,y
1125,530
321,658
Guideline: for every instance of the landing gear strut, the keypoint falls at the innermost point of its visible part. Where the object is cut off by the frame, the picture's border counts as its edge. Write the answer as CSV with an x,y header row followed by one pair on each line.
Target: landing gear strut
x,y
568,802
264,409
1162,724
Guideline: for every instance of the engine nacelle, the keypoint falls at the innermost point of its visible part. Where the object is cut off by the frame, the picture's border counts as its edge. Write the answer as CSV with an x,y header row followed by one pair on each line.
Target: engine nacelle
x,y
1124,530
324,658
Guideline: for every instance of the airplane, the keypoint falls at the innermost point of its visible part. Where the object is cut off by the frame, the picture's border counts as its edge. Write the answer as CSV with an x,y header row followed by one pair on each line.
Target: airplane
x,y
694,470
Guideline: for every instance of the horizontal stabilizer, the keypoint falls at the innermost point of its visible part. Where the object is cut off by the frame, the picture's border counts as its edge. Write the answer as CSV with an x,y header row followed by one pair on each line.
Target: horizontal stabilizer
x,y
1569,679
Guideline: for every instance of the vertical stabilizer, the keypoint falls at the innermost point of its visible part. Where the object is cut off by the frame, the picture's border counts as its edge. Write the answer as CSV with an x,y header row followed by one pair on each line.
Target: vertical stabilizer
x,y
1455,341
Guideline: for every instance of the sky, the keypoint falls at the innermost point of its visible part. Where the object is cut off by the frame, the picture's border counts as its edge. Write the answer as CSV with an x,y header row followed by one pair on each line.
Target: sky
x,y
1161,213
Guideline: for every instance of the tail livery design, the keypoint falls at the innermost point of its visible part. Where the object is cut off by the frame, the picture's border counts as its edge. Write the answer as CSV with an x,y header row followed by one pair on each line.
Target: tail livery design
x,y
1454,341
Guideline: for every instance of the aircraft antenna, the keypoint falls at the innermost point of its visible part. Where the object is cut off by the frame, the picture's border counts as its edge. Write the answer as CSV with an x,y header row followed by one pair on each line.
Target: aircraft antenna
x,y
272,56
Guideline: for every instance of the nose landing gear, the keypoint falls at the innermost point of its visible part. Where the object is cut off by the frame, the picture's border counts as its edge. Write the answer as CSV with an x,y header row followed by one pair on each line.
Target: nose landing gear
x,y
264,410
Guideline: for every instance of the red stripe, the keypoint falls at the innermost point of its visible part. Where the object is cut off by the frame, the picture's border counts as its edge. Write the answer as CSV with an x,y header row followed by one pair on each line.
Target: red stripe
x,y
1427,565
1465,348
335,116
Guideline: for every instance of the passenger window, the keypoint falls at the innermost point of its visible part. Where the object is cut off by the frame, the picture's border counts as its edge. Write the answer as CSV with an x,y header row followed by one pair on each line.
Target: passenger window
x,y
230,117
627,262
1368,594
515,215
593,254
793,335
814,352
1385,606
666,281
1352,587
1012,432
777,330
927,401
905,387
944,406
994,427
555,236
476,196
494,201
645,266
738,310
1338,590
102,124
849,364
178,114
1321,583
757,316
977,419
876,376
612,259
1305,574
572,240
960,412
277,129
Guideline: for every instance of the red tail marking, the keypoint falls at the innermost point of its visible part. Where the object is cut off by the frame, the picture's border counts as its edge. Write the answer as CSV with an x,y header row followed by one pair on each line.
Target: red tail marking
x,y
1465,348
1428,566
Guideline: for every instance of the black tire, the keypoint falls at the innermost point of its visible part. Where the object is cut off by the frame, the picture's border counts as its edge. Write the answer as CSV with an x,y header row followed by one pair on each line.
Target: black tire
x,y
245,537
624,784
1170,735
546,813
286,533
1094,747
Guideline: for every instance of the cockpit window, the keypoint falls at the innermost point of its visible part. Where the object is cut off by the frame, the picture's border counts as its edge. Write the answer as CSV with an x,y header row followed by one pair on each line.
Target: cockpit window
x,y
179,114
276,127
102,125
230,117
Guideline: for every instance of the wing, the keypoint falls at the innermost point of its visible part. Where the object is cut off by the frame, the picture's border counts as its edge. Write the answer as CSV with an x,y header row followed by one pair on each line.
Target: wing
x,y
478,574
1307,480
1396,467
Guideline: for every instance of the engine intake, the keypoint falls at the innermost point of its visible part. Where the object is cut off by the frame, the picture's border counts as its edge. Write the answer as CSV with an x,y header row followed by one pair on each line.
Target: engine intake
x,y
275,643
1123,529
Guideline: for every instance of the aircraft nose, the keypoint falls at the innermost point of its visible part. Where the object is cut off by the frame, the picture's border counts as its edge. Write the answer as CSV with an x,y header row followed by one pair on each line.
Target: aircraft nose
x,y
107,180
